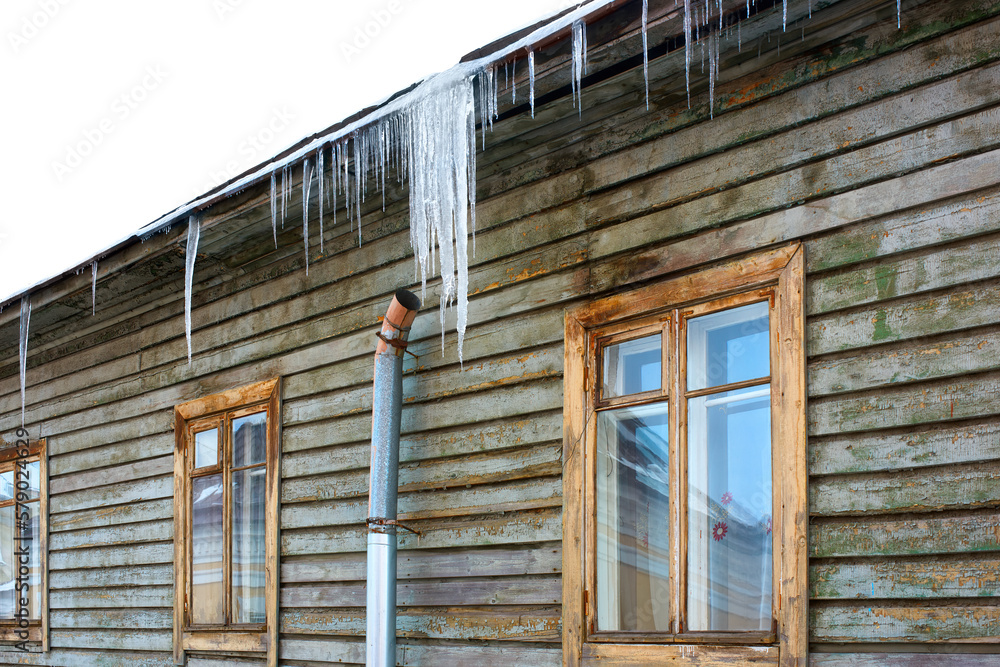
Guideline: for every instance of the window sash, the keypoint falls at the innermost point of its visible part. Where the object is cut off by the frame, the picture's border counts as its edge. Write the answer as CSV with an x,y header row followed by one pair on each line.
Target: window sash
x,y
672,325
220,411
776,276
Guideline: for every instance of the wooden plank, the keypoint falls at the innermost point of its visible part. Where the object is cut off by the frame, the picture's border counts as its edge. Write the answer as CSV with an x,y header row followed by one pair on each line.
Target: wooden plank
x,y
150,510
322,650
505,623
116,619
849,171
481,499
150,446
123,492
932,402
113,556
941,357
100,434
448,655
141,640
155,467
905,578
533,590
883,451
886,279
906,231
922,659
113,597
130,575
852,623
979,532
911,190
627,655
544,525
930,489
906,319
132,533
486,468
83,658
420,564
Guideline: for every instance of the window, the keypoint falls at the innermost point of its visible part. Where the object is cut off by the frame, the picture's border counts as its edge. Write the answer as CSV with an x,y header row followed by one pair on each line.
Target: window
x,y
23,542
684,484
225,522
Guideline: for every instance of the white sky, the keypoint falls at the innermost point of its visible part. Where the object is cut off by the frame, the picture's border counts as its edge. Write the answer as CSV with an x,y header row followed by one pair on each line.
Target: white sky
x,y
118,111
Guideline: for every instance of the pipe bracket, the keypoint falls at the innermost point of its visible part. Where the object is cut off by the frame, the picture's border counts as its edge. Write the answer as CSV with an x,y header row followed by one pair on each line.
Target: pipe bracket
x,y
379,521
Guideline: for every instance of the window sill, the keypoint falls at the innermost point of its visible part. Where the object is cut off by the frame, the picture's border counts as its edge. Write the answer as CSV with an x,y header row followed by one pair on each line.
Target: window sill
x,y
224,640
620,655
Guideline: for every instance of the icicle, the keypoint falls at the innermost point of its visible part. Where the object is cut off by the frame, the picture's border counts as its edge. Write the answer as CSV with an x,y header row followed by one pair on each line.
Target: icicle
x,y
191,251
319,167
784,14
898,12
645,49
23,346
306,182
513,81
713,71
579,62
284,194
687,49
531,80
274,209
93,288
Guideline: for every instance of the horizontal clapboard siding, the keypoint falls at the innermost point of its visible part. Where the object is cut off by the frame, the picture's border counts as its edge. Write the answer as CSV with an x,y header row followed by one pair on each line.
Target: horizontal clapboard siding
x,y
877,148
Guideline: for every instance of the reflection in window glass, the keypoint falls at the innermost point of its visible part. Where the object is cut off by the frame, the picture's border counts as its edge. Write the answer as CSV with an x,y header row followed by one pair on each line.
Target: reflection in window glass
x,y
249,439
13,536
729,511
632,367
206,448
632,518
208,598
248,545
728,346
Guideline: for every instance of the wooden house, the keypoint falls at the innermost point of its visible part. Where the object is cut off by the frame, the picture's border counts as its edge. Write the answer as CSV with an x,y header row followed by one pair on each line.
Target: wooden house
x,y
728,392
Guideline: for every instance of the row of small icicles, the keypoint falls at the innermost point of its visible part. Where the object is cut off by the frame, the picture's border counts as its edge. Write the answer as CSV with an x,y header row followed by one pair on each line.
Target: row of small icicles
x,y
429,139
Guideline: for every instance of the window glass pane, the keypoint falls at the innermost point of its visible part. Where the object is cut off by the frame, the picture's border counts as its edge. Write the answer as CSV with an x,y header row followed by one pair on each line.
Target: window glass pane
x,y
7,485
30,541
632,367
728,346
729,511
249,439
8,562
248,545
206,448
208,600
26,481
632,519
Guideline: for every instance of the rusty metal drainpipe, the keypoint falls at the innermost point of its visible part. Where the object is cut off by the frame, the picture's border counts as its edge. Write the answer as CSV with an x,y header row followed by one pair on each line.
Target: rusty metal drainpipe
x,y
384,479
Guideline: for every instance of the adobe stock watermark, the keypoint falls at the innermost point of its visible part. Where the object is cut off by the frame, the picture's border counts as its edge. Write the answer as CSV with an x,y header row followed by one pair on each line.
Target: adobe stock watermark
x,y
379,20
251,150
122,106
31,25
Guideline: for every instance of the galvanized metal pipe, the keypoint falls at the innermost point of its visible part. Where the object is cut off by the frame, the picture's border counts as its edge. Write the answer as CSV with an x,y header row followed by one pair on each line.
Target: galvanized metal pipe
x,y
384,480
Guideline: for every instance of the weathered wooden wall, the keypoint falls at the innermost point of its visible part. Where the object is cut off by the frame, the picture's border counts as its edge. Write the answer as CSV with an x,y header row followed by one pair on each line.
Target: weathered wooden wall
x,y
878,147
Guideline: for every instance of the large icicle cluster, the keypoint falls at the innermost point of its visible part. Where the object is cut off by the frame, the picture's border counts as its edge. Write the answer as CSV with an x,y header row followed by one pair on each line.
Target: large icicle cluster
x,y
430,142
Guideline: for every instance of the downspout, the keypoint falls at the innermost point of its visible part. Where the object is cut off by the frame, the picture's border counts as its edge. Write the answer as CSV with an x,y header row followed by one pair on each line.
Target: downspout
x,y
384,479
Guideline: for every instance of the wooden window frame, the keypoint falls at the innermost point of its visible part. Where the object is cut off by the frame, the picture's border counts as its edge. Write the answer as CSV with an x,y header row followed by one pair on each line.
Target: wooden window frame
x,y
777,276
38,631
232,638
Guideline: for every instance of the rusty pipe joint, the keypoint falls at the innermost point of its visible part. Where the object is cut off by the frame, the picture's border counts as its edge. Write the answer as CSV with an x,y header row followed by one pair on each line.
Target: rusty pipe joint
x,y
384,479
